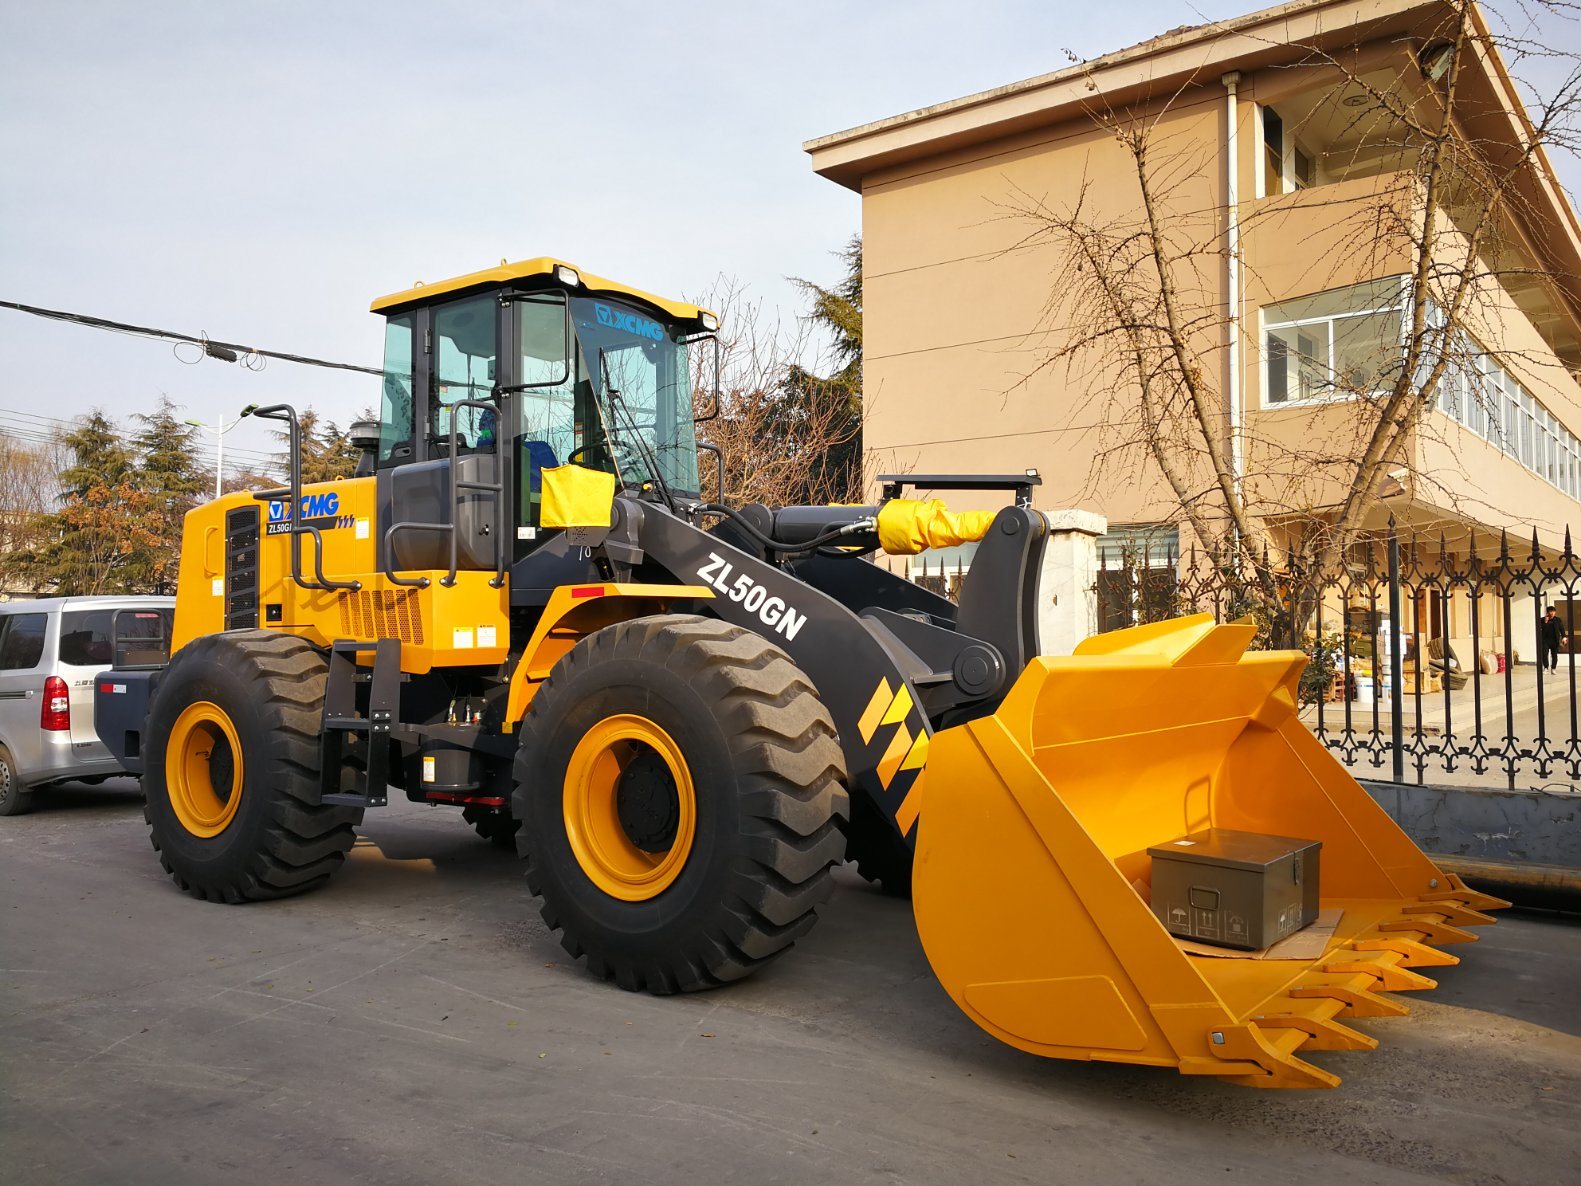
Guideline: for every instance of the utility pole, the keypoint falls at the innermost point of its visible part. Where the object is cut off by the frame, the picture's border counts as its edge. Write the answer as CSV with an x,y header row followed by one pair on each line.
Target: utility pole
x,y
220,430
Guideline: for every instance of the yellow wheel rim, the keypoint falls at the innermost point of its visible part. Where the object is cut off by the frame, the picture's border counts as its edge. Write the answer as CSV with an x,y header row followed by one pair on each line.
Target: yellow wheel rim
x,y
203,769
630,808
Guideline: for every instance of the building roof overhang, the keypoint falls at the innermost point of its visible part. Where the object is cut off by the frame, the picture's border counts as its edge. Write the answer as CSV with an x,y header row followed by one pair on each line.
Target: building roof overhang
x,y
1197,55
1152,69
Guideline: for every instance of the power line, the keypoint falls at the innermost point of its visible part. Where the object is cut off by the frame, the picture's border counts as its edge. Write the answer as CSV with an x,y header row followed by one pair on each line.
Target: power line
x,y
224,351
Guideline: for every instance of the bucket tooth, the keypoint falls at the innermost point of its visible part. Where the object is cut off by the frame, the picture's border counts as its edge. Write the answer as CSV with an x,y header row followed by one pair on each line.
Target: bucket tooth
x,y
1414,953
1249,1056
1453,913
1323,1033
1460,892
1385,965
1355,991
1435,933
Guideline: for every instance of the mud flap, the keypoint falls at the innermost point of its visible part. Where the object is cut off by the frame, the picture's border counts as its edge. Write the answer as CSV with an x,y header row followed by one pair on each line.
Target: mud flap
x,y
1031,862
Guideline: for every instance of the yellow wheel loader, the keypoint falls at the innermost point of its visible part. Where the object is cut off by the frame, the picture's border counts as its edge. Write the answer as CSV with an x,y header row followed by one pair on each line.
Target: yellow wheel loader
x,y
684,715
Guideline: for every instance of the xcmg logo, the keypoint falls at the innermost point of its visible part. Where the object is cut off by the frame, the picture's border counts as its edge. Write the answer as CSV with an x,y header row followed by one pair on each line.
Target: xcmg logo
x,y
314,506
628,322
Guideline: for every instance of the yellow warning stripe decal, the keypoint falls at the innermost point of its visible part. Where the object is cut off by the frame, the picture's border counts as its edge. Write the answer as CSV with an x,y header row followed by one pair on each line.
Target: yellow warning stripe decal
x,y
874,712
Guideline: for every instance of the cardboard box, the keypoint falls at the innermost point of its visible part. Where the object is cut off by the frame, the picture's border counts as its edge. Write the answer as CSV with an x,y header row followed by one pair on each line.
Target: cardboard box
x,y
1235,889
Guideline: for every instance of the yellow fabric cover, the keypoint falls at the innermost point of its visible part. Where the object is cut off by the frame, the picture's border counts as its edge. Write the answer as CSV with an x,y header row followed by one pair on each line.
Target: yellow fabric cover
x,y
906,526
575,496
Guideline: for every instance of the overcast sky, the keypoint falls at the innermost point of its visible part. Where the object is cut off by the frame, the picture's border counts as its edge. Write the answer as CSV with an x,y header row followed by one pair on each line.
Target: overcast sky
x,y
259,172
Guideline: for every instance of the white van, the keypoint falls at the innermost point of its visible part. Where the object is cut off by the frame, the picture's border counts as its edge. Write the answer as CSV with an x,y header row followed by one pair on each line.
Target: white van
x,y
50,650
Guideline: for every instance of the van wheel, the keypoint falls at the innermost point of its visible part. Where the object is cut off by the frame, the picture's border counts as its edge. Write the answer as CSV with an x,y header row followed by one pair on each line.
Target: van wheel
x,y
14,797
231,783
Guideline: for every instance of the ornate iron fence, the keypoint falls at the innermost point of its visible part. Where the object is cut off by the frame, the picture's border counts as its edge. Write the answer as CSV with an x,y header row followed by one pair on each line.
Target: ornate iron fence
x,y
1424,652
1427,659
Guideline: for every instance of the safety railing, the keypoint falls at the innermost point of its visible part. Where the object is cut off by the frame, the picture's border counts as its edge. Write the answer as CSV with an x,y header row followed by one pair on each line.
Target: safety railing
x,y
292,494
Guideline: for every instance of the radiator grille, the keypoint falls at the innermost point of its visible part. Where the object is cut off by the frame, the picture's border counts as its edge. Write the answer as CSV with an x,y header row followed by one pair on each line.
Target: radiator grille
x,y
382,613
241,568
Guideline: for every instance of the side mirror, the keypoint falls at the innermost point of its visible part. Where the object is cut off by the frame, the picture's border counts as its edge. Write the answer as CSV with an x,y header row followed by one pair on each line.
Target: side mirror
x,y
713,412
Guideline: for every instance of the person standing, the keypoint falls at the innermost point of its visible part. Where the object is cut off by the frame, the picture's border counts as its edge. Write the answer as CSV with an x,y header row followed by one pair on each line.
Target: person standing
x,y
1553,633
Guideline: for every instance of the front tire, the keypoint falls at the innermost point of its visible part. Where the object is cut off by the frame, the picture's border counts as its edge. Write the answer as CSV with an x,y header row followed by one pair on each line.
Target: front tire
x,y
231,780
682,795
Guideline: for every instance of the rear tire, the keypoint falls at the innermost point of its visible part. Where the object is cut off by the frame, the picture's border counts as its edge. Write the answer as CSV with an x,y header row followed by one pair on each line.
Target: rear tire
x,y
15,799
681,789
880,856
497,826
248,700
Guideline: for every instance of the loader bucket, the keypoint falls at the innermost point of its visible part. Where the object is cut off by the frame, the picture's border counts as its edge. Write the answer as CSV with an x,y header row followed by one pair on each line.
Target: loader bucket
x,y
1032,869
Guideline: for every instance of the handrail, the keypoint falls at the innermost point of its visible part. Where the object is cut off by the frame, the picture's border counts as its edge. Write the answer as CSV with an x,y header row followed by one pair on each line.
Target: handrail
x,y
296,528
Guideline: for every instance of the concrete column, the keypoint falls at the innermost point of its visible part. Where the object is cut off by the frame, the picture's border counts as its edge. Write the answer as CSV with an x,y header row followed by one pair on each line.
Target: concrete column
x,y
1068,582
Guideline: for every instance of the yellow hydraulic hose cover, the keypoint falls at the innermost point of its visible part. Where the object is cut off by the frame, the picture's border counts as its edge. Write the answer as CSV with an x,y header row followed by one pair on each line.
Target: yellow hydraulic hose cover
x,y
575,496
907,526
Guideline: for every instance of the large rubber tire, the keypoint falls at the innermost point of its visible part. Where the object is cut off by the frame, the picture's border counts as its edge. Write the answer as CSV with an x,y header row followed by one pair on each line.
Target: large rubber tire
x,y
279,839
767,771
880,856
499,828
15,799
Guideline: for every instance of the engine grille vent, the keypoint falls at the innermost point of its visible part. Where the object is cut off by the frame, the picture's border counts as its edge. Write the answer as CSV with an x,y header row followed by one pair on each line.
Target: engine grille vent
x,y
241,568
382,613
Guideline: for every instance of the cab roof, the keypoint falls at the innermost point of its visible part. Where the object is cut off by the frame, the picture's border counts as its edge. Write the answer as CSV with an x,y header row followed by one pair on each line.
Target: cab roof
x,y
506,273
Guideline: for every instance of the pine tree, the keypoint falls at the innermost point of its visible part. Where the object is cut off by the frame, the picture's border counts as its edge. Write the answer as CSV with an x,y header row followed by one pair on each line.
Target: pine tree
x,y
174,480
326,453
99,539
837,398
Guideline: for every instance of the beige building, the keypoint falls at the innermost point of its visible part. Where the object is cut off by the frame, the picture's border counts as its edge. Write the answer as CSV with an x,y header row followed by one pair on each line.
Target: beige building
x,y
1276,155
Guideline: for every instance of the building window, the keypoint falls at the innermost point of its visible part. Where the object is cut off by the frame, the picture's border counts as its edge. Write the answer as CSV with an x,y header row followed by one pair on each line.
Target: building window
x,y
1334,344
1478,393
1305,169
1138,568
1287,165
1273,152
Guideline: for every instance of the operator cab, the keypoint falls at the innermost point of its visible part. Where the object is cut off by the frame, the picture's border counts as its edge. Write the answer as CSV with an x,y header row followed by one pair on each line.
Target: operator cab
x,y
494,377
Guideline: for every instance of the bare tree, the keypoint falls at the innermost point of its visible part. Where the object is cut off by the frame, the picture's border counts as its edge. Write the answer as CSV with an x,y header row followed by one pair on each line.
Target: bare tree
x,y
29,490
1141,325
775,427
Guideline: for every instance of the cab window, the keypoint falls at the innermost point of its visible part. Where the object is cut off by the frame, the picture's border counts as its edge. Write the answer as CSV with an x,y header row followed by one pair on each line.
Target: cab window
x,y
464,368
397,411
551,422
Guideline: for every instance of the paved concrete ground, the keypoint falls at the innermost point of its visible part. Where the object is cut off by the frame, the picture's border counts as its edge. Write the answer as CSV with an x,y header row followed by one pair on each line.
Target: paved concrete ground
x,y
415,1023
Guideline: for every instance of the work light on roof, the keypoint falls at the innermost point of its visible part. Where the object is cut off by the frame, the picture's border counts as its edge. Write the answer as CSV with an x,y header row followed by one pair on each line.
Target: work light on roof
x,y
710,322
567,275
